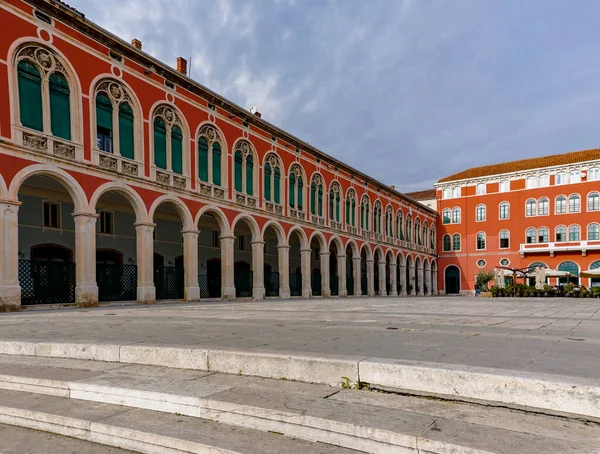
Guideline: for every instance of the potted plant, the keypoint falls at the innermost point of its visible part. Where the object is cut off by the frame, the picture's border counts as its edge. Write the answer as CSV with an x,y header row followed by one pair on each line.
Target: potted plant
x,y
569,290
547,290
596,292
483,278
494,291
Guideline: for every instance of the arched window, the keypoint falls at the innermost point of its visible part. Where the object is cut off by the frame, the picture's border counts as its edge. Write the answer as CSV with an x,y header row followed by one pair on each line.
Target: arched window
x,y
593,201
399,226
480,241
561,233
504,210
334,201
168,140
446,243
530,235
530,207
389,224
408,228
574,233
272,179
593,232
114,119
377,217
456,242
351,208
296,187
561,204
417,232
425,234
543,206
42,80
543,235
574,203
446,216
456,216
243,167
432,234
570,267
504,239
209,155
480,212
316,195
364,213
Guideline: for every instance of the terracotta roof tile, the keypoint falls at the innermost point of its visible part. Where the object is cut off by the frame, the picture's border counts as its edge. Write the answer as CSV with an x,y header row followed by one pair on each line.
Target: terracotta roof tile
x,y
421,195
525,164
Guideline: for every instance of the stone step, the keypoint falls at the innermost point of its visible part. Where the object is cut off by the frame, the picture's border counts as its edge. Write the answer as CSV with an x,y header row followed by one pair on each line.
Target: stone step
x,y
18,440
360,420
144,431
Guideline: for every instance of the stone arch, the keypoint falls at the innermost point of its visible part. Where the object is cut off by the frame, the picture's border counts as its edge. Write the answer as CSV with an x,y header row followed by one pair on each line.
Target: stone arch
x,y
426,264
391,256
378,254
276,226
182,209
72,186
218,130
219,216
320,238
338,243
3,188
252,224
126,191
400,259
304,244
367,248
353,248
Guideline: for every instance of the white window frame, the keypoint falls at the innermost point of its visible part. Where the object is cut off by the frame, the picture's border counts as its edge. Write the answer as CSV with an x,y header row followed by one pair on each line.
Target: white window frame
x,y
58,214
456,192
480,189
527,235
446,193
545,212
595,204
561,178
575,197
544,181
500,239
101,222
483,210
531,182
574,176
530,213
504,186
556,204
507,210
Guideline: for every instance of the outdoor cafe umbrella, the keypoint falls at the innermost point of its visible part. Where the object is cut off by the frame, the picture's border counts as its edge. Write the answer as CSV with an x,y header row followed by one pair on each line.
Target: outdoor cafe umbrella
x,y
595,273
557,273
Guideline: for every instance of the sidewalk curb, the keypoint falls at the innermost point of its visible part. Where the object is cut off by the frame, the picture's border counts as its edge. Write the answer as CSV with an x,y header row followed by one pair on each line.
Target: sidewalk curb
x,y
544,393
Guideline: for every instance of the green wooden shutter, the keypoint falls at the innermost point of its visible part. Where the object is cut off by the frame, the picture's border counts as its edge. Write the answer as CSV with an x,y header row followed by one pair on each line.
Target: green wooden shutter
x,y
160,143
216,163
331,199
239,159
126,140
353,213
320,200
267,189
292,189
60,106
277,183
30,95
362,216
337,207
203,159
313,198
367,218
249,175
348,210
176,150
300,193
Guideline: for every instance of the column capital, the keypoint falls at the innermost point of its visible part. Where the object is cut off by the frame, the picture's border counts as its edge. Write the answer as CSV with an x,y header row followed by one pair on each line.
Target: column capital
x,y
145,224
283,246
342,256
370,260
190,232
259,242
227,237
356,259
327,253
84,214
15,203
306,250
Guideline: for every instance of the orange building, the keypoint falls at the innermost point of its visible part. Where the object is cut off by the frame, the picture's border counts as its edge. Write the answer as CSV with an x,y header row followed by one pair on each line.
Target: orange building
x,y
123,179
517,214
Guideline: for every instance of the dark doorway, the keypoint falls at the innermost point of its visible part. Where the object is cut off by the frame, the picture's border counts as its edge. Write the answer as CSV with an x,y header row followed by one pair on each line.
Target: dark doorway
x,y
116,282
452,280
243,279
212,288
49,277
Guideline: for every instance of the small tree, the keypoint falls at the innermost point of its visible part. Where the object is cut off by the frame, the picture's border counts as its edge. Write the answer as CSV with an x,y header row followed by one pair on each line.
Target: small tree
x,y
483,278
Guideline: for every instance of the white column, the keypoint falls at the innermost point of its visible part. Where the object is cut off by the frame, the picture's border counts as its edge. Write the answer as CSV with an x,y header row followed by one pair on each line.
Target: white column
x,y
284,270
393,279
419,289
411,275
325,288
382,279
190,265
403,283
146,292
86,289
434,283
428,282
227,268
10,291
357,276
258,270
341,267
370,277
305,264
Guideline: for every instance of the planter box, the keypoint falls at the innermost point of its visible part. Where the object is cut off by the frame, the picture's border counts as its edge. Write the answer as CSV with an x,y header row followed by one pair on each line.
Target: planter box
x,y
486,294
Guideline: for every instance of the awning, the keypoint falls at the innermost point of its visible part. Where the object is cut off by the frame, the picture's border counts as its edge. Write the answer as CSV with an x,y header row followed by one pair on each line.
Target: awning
x,y
591,273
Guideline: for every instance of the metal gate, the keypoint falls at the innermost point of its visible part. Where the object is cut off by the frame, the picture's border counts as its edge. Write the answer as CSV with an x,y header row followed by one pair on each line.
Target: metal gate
x,y
272,283
350,284
243,283
364,285
334,285
116,282
168,281
296,284
315,283
46,282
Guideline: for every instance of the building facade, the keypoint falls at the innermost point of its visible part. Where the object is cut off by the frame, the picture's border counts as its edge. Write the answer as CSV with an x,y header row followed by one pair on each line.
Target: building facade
x,y
427,197
518,214
123,179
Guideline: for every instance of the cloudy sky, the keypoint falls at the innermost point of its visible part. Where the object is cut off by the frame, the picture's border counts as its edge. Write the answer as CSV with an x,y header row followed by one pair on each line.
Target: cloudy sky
x,y
407,91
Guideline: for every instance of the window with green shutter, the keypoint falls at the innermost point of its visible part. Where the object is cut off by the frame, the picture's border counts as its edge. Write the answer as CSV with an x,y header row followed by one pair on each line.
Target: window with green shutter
x,y
353,213
176,149
216,163
203,159
320,200
277,185
237,170
160,143
126,136
313,198
362,216
300,193
331,200
337,207
249,175
30,95
292,190
60,106
267,189
348,210
367,218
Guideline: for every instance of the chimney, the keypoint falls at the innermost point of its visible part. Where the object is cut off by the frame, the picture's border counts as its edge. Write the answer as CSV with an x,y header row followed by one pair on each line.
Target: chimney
x,y
136,43
182,65
393,186
258,114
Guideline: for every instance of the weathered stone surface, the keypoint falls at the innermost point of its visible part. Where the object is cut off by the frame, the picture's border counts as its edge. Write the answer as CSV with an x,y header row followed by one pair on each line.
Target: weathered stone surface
x,y
182,358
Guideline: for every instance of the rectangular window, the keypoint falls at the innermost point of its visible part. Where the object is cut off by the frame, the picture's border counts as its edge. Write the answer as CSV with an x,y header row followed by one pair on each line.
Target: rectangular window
x,y
544,181
106,222
215,240
504,243
505,186
574,205
242,243
481,189
446,194
104,139
561,206
52,215
456,192
561,178
531,182
575,176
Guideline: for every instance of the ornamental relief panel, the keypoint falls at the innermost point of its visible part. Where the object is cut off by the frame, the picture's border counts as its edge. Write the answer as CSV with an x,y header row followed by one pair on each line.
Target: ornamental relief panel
x,y
43,58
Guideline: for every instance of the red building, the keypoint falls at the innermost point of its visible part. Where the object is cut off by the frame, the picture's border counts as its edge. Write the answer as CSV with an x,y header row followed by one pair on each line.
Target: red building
x,y
517,214
123,179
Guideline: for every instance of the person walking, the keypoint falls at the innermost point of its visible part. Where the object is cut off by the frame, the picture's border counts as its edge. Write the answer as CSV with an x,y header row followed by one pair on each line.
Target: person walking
x,y
477,289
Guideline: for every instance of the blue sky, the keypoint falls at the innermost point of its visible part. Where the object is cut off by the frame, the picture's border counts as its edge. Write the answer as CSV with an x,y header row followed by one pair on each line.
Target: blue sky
x,y
408,91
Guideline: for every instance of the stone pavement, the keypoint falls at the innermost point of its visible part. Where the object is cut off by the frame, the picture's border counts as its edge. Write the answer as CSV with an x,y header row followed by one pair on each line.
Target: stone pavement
x,y
539,335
